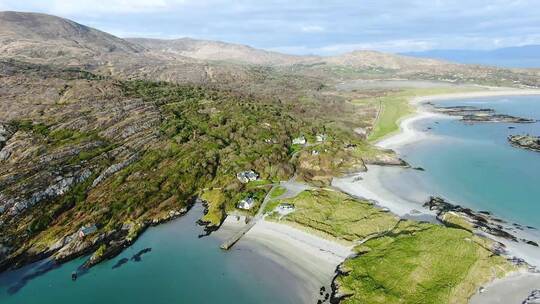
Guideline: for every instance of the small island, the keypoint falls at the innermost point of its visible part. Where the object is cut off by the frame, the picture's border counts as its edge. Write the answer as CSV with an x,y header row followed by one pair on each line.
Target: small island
x,y
474,114
528,142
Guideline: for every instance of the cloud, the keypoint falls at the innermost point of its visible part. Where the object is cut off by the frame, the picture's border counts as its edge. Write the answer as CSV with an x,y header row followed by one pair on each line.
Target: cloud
x,y
306,26
93,7
334,49
312,29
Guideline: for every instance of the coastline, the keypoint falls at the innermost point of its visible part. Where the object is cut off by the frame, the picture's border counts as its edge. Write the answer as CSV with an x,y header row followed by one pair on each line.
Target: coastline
x,y
406,134
369,185
310,258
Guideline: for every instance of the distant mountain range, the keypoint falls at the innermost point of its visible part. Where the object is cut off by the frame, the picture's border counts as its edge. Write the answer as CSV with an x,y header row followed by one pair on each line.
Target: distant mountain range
x,y
50,40
511,57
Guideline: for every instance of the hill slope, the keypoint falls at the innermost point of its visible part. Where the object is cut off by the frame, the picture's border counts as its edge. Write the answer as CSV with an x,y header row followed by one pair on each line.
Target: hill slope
x,y
217,50
39,36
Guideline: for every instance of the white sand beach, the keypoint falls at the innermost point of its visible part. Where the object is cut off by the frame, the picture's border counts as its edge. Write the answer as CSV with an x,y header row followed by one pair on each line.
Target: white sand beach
x,y
312,259
511,289
407,134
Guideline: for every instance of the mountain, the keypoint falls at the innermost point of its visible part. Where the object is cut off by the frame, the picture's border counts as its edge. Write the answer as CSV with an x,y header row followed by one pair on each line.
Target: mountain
x,y
373,59
217,50
44,37
511,57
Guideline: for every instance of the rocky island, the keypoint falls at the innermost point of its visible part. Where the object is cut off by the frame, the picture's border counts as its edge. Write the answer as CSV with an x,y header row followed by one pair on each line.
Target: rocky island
x,y
528,142
474,114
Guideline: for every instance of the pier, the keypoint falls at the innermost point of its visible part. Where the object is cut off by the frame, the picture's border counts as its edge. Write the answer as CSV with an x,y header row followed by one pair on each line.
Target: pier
x,y
238,235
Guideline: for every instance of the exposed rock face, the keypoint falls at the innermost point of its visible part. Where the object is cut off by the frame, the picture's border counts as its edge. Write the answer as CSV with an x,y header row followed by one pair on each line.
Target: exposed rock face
x,y
457,216
525,141
388,159
113,169
474,114
61,185
6,132
338,294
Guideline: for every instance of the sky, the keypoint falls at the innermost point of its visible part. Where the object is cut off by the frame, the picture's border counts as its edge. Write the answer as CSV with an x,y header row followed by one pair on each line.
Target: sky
x,y
311,27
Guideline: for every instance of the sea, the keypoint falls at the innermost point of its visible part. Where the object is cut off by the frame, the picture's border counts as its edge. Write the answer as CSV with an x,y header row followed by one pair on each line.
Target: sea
x,y
169,263
474,165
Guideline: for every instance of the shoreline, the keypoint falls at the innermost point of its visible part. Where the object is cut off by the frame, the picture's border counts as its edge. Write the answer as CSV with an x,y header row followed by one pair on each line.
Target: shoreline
x,y
409,205
313,260
406,134
308,257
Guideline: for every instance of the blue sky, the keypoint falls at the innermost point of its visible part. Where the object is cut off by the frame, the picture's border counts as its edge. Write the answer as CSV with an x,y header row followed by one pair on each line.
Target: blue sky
x,y
311,27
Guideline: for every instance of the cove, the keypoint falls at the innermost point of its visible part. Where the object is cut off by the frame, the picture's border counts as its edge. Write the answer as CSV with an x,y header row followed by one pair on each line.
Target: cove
x,y
171,265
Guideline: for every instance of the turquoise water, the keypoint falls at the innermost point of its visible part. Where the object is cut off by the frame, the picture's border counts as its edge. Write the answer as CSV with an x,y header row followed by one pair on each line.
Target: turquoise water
x,y
475,166
180,268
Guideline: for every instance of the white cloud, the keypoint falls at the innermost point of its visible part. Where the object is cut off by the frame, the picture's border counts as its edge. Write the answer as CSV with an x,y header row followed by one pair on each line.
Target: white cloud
x,y
306,26
91,7
312,29
391,46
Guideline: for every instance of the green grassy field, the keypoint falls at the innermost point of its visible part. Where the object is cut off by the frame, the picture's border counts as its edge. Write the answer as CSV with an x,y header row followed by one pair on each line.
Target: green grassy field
x,y
420,263
395,106
338,215
402,261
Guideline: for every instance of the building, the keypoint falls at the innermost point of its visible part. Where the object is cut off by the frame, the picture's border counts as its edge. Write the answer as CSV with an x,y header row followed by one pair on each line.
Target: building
x,y
86,230
285,208
321,137
246,203
299,140
247,176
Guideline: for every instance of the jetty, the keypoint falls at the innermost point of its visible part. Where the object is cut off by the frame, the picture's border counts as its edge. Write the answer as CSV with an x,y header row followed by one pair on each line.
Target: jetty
x,y
292,189
238,235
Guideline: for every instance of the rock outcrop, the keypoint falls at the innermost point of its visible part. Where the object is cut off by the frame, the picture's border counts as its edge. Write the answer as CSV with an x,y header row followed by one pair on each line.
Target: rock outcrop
x,y
465,218
473,114
525,141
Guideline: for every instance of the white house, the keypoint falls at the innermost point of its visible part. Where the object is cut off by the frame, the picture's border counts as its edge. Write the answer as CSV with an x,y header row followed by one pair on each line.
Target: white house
x,y
86,230
247,176
285,208
321,137
299,140
246,203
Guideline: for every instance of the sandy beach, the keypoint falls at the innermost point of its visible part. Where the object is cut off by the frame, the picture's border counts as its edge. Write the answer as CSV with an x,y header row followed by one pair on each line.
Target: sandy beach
x,y
407,134
311,259
511,289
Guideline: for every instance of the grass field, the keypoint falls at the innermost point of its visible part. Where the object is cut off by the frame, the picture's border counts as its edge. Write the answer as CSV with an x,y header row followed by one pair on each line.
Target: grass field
x,y
395,106
401,261
338,215
420,263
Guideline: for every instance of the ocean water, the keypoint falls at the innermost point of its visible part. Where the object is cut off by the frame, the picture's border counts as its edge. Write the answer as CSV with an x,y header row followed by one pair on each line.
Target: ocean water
x,y
473,164
180,268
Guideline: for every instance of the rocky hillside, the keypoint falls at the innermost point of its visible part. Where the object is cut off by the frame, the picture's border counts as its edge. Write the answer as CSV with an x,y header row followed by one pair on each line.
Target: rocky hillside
x,y
79,149
219,51
48,38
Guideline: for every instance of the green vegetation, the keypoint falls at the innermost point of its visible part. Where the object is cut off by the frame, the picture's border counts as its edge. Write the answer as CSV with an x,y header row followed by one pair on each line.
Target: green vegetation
x,y
420,263
277,192
400,261
29,126
338,215
215,199
395,106
456,220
